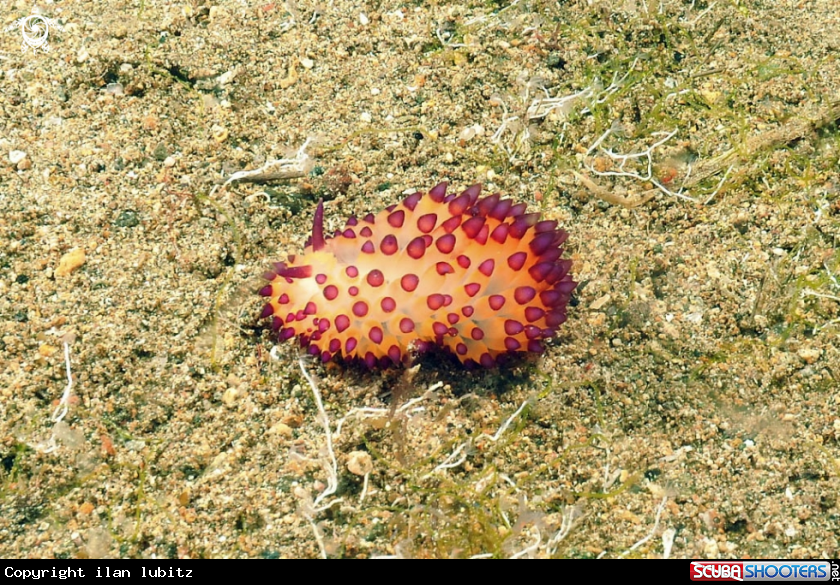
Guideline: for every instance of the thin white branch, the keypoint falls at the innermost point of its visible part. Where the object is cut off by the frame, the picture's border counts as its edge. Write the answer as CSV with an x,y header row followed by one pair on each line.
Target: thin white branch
x,y
332,467
568,519
283,168
507,423
532,548
63,404
653,530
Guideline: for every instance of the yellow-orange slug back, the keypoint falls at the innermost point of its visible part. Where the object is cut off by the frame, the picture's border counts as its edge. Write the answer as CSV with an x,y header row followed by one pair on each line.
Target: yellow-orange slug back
x,y
478,277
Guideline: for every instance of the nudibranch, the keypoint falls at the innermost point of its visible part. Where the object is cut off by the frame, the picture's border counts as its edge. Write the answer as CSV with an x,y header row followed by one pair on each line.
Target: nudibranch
x,y
481,278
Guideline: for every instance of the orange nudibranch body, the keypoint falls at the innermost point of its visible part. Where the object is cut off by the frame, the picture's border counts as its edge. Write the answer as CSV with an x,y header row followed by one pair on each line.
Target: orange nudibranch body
x,y
478,277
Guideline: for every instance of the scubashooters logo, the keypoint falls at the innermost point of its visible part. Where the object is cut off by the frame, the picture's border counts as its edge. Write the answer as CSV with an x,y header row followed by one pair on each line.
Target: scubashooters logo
x,y
764,571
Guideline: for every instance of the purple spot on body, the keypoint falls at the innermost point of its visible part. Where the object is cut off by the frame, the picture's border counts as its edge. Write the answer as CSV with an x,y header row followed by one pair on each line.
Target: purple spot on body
x,y
488,204
545,226
533,313
513,327
535,346
416,248
426,223
396,219
500,212
388,304
540,271
435,301
555,318
551,298
444,268
533,332
500,233
458,205
473,191
472,289
342,322
524,294
486,267
409,282
496,302
360,308
438,192
389,245
412,200
451,224
395,354
473,226
446,243
375,335
517,261
370,360
375,278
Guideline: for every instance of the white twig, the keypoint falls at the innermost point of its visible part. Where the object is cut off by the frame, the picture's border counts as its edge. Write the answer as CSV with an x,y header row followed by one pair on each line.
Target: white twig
x,y
363,495
283,168
542,107
623,159
506,424
667,542
451,461
62,408
532,548
64,404
568,519
332,467
813,293
653,530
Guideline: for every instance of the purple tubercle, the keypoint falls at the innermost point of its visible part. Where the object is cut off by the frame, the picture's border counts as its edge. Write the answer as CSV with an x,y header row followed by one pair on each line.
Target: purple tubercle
x,y
318,242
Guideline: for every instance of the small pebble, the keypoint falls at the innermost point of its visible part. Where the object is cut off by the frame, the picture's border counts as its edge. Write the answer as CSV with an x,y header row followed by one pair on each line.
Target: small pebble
x,y
359,463
70,262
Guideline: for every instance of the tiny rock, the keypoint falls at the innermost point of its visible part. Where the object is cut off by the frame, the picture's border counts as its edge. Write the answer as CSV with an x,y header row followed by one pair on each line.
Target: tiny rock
x,y
16,156
359,463
281,429
809,355
70,262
